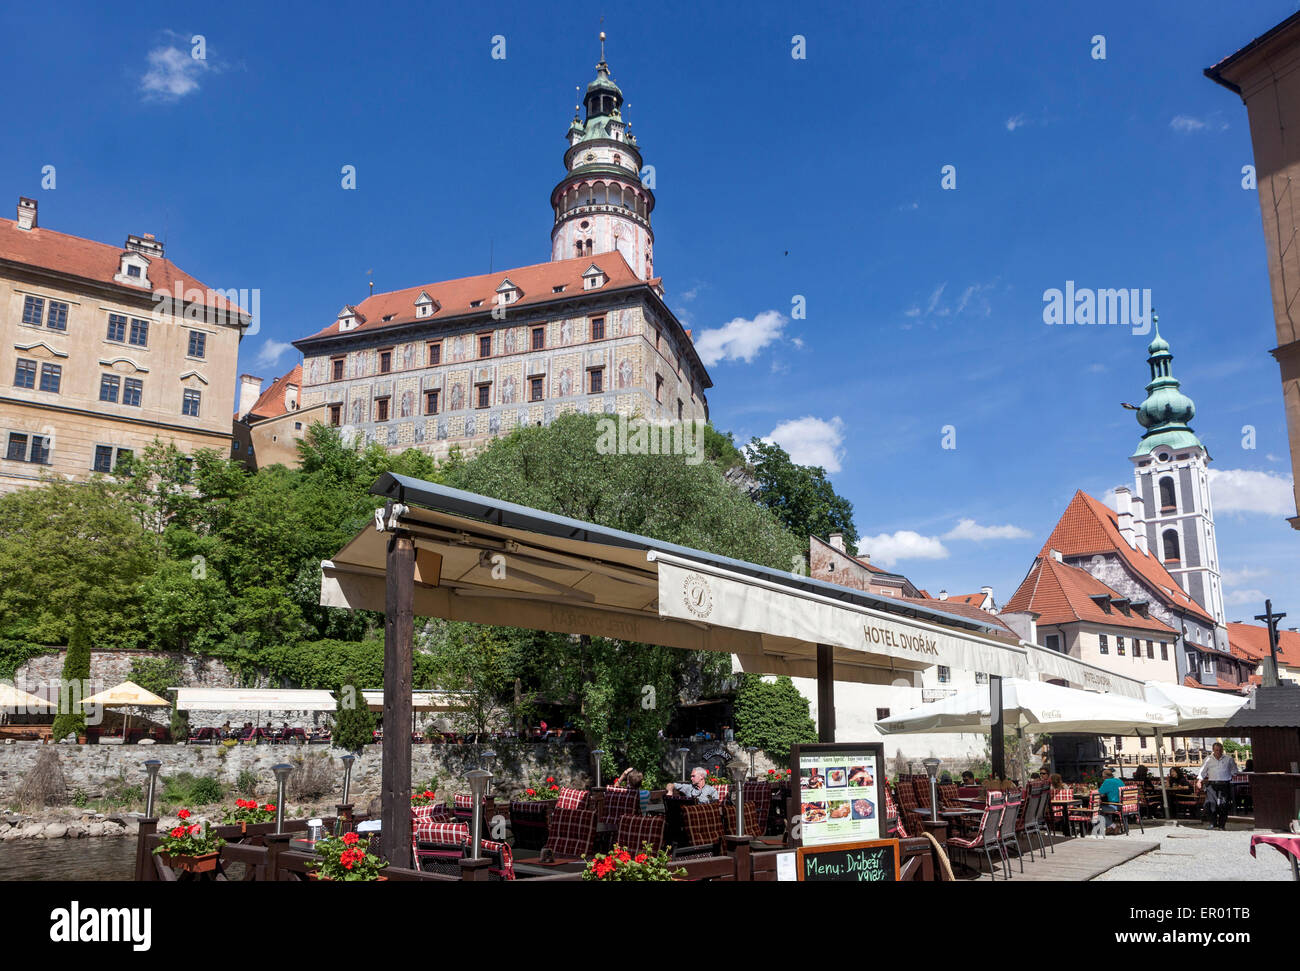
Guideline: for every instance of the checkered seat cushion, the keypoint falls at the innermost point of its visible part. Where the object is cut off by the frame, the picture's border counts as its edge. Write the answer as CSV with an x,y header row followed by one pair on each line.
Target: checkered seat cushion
x,y
893,822
724,792
618,803
433,844
571,832
572,798
751,820
703,824
434,813
996,801
633,831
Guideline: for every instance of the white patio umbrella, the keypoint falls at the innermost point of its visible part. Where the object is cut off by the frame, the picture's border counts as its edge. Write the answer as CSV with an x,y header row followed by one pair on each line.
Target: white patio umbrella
x,y
14,699
1196,709
1033,706
126,695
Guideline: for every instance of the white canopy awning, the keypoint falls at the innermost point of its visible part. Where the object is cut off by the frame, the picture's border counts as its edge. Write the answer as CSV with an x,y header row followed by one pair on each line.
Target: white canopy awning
x,y
1198,710
1033,706
254,699
1053,664
512,565
420,700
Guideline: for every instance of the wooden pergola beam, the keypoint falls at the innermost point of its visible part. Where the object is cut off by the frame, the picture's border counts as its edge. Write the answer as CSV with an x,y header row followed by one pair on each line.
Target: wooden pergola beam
x,y
399,632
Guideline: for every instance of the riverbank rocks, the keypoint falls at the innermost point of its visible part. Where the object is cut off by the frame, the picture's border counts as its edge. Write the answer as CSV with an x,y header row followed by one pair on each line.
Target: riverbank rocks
x,y
55,831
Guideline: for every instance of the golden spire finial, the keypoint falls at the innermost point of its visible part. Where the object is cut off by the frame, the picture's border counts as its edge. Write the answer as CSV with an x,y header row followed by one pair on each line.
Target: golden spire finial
x,y
602,45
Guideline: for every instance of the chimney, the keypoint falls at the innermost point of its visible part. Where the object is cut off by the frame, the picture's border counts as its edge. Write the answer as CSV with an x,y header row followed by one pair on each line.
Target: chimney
x,y
1124,508
145,244
250,388
291,398
943,594
988,598
26,213
837,541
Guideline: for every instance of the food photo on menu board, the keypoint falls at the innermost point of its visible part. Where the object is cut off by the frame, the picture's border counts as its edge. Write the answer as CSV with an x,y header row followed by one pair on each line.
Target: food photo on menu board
x,y
838,794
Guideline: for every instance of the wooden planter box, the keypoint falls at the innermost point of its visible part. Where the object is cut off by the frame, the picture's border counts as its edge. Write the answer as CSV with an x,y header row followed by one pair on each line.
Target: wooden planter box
x,y
203,863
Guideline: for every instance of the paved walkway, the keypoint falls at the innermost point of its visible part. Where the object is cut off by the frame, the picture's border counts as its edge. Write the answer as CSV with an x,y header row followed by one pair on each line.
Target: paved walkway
x,y
1192,853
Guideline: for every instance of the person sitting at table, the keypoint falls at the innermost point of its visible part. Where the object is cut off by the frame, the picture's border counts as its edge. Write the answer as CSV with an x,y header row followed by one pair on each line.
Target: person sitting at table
x,y
629,778
1176,777
1110,802
1044,775
968,778
1142,777
698,788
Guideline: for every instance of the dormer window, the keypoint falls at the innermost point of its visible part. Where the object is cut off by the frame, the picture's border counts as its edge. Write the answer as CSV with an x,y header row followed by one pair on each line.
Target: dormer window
x,y
349,319
507,293
476,303
133,269
593,278
425,305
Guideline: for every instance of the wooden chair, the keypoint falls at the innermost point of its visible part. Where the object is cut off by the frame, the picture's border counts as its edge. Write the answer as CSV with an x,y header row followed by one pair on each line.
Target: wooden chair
x,y
704,831
948,797
1085,814
986,835
759,795
911,812
571,832
528,823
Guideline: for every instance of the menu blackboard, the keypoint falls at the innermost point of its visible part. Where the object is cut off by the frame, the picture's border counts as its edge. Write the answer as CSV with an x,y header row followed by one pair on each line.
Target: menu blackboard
x,y
873,861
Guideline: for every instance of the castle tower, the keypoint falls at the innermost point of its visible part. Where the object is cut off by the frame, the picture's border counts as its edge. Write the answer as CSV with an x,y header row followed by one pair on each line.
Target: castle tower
x,y
601,204
1173,490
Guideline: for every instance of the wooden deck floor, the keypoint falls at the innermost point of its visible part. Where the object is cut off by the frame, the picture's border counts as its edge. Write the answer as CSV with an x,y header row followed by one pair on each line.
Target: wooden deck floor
x,y
1074,859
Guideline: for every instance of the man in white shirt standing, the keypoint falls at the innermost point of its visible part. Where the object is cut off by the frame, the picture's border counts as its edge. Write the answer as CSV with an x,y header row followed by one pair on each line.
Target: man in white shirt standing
x,y
1218,771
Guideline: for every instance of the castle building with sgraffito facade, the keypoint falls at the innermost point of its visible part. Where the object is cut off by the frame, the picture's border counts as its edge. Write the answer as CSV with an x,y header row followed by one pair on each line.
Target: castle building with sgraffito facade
x,y
465,360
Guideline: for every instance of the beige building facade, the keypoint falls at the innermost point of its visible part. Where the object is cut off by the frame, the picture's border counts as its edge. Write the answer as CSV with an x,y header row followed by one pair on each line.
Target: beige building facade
x,y
102,350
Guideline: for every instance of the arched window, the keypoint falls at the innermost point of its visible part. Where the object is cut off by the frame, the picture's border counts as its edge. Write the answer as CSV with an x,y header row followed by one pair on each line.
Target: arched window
x,y
578,244
598,196
1172,554
1167,493
589,247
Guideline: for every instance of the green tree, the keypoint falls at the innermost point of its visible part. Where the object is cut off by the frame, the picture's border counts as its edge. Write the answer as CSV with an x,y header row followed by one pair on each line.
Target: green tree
x,y
76,671
800,495
354,722
160,675
772,716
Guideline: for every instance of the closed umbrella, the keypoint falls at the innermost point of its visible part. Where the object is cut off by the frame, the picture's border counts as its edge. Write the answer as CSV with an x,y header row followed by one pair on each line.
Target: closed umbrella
x,y
127,695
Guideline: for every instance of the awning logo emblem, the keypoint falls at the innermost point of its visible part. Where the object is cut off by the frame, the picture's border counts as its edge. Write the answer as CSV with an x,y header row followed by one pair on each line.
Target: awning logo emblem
x,y
696,595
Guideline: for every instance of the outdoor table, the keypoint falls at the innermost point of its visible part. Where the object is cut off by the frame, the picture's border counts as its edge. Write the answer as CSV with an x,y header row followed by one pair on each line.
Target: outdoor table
x,y
1065,805
1289,845
961,816
536,869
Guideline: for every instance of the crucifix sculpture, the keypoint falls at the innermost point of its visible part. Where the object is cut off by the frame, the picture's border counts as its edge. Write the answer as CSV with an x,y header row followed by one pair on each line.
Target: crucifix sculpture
x,y
1270,619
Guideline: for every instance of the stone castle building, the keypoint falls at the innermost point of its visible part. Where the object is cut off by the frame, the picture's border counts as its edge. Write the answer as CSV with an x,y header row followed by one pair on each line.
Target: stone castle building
x,y
465,360
103,349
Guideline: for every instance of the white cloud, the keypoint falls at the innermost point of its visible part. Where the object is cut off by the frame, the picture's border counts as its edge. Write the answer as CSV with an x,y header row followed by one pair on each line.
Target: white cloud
x,y
173,73
1272,458
1096,369
691,294
1186,123
1241,598
909,206
1232,578
797,342
1016,121
740,339
1244,490
969,529
905,544
271,352
811,441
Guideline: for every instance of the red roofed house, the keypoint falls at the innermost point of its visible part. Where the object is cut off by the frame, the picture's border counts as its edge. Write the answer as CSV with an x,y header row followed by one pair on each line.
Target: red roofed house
x,y
1250,643
830,561
270,423
109,347
464,360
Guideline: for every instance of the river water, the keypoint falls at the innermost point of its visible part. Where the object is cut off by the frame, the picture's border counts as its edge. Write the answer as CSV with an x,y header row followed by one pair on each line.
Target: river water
x,y
108,858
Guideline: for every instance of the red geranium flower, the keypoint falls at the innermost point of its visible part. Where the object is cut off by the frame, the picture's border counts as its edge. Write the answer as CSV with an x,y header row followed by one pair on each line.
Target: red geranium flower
x,y
184,814
350,839
195,829
268,807
531,792
550,778
553,788
178,832
640,857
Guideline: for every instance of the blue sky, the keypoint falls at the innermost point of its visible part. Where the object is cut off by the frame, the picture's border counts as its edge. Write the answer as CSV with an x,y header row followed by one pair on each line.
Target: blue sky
x,y
775,177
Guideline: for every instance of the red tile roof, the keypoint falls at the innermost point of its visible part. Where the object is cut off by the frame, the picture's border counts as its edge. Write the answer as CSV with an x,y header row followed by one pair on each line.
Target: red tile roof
x,y
1090,526
967,610
453,297
975,599
1062,594
270,403
90,260
1250,643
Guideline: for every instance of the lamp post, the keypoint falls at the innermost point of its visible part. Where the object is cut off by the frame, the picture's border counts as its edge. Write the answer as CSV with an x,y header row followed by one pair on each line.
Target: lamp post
x,y
347,776
281,771
752,750
597,754
932,767
477,783
488,756
737,770
682,753
151,767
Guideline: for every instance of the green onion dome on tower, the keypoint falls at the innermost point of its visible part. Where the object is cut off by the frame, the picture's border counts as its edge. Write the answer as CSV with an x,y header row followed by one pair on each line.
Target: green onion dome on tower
x,y
1166,412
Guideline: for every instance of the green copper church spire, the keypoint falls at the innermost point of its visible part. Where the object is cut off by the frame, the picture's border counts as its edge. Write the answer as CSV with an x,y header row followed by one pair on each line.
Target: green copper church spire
x,y
1166,411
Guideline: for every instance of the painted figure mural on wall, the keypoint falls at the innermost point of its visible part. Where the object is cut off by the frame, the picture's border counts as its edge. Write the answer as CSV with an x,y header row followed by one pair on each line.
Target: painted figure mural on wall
x,y
624,373
358,416
356,364
442,428
510,341
566,332
566,383
419,432
315,370
408,356
494,424
408,403
457,398
508,390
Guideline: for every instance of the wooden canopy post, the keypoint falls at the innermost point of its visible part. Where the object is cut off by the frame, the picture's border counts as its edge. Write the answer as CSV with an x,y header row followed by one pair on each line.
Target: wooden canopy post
x,y
399,630
997,742
825,693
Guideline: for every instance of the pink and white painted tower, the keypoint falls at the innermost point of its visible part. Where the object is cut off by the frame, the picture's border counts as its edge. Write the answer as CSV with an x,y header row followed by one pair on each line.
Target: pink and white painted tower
x,y
601,204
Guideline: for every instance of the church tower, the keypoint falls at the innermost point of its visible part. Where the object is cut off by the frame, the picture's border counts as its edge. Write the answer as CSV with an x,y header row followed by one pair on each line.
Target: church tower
x,y
601,204
1172,491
